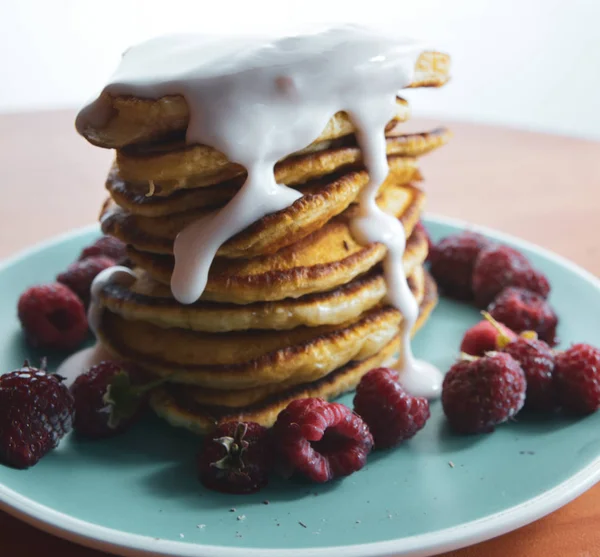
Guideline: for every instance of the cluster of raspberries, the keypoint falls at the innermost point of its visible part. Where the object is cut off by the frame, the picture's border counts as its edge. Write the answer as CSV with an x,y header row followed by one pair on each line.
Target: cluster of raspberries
x,y
53,316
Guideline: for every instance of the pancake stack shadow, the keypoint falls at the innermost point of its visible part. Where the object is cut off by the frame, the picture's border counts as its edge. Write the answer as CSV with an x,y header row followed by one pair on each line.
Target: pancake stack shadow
x,y
294,305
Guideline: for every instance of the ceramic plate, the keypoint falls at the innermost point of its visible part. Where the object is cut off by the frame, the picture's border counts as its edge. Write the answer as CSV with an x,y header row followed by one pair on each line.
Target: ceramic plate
x,y
138,493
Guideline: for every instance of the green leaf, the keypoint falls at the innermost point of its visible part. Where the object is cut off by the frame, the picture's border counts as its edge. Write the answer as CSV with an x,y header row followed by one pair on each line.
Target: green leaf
x,y
122,399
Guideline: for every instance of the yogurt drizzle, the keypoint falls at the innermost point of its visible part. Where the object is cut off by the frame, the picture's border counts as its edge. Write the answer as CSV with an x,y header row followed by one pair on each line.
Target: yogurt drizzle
x,y
259,101
84,359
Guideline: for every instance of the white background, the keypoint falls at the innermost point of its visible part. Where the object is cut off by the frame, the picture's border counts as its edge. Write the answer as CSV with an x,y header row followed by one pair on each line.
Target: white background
x,y
527,63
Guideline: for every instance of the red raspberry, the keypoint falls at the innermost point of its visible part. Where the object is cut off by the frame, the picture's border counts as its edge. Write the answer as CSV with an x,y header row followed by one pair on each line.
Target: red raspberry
x,y
322,440
483,337
36,411
577,378
523,310
79,275
480,394
499,267
52,316
109,398
452,262
537,360
236,458
390,412
108,247
421,229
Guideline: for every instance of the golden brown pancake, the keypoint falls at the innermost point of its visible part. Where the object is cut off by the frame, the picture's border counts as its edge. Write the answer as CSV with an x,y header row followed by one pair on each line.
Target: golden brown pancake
x,y
137,120
431,70
324,260
196,166
247,359
320,203
146,300
241,360
136,200
200,410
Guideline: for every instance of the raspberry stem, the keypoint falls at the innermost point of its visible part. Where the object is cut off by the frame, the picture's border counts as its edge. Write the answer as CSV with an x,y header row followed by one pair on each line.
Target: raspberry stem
x,y
503,339
123,399
235,447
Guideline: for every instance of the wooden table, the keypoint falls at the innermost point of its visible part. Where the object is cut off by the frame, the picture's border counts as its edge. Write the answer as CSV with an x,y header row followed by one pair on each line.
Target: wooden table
x,y
543,188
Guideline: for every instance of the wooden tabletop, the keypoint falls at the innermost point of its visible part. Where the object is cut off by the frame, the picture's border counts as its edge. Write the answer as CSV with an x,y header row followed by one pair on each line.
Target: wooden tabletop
x,y
540,187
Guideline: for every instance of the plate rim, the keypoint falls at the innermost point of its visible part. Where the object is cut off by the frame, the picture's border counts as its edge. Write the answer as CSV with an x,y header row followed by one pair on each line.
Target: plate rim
x,y
422,545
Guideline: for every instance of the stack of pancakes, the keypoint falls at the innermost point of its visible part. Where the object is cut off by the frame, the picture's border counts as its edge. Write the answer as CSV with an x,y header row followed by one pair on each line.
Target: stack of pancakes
x,y
294,305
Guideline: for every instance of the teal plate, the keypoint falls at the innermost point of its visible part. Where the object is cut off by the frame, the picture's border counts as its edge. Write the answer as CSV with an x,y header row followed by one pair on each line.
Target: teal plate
x,y
138,493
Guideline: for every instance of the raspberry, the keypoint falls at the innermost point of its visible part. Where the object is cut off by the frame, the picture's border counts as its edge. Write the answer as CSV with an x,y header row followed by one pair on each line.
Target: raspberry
x,y
499,267
52,316
390,412
236,458
523,310
483,337
321,440
537,360
478,395
108,247
109,398
577,379
79,275
452,262
36,411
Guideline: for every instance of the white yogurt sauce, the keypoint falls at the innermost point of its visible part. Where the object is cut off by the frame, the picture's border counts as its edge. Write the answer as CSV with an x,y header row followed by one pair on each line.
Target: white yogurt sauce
x,y
258,101
372,224
82,360
118,275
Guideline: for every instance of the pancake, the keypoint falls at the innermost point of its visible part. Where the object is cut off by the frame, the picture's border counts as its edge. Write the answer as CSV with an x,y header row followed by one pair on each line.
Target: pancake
x,y
200,410
320,203
197,166
134,121
146,300
246,359
135,199
431,70
149,301
324,260
129,119
138,202
241,360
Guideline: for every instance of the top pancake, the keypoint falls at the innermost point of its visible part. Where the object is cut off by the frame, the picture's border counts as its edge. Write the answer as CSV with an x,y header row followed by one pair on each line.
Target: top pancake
x,y
137,120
